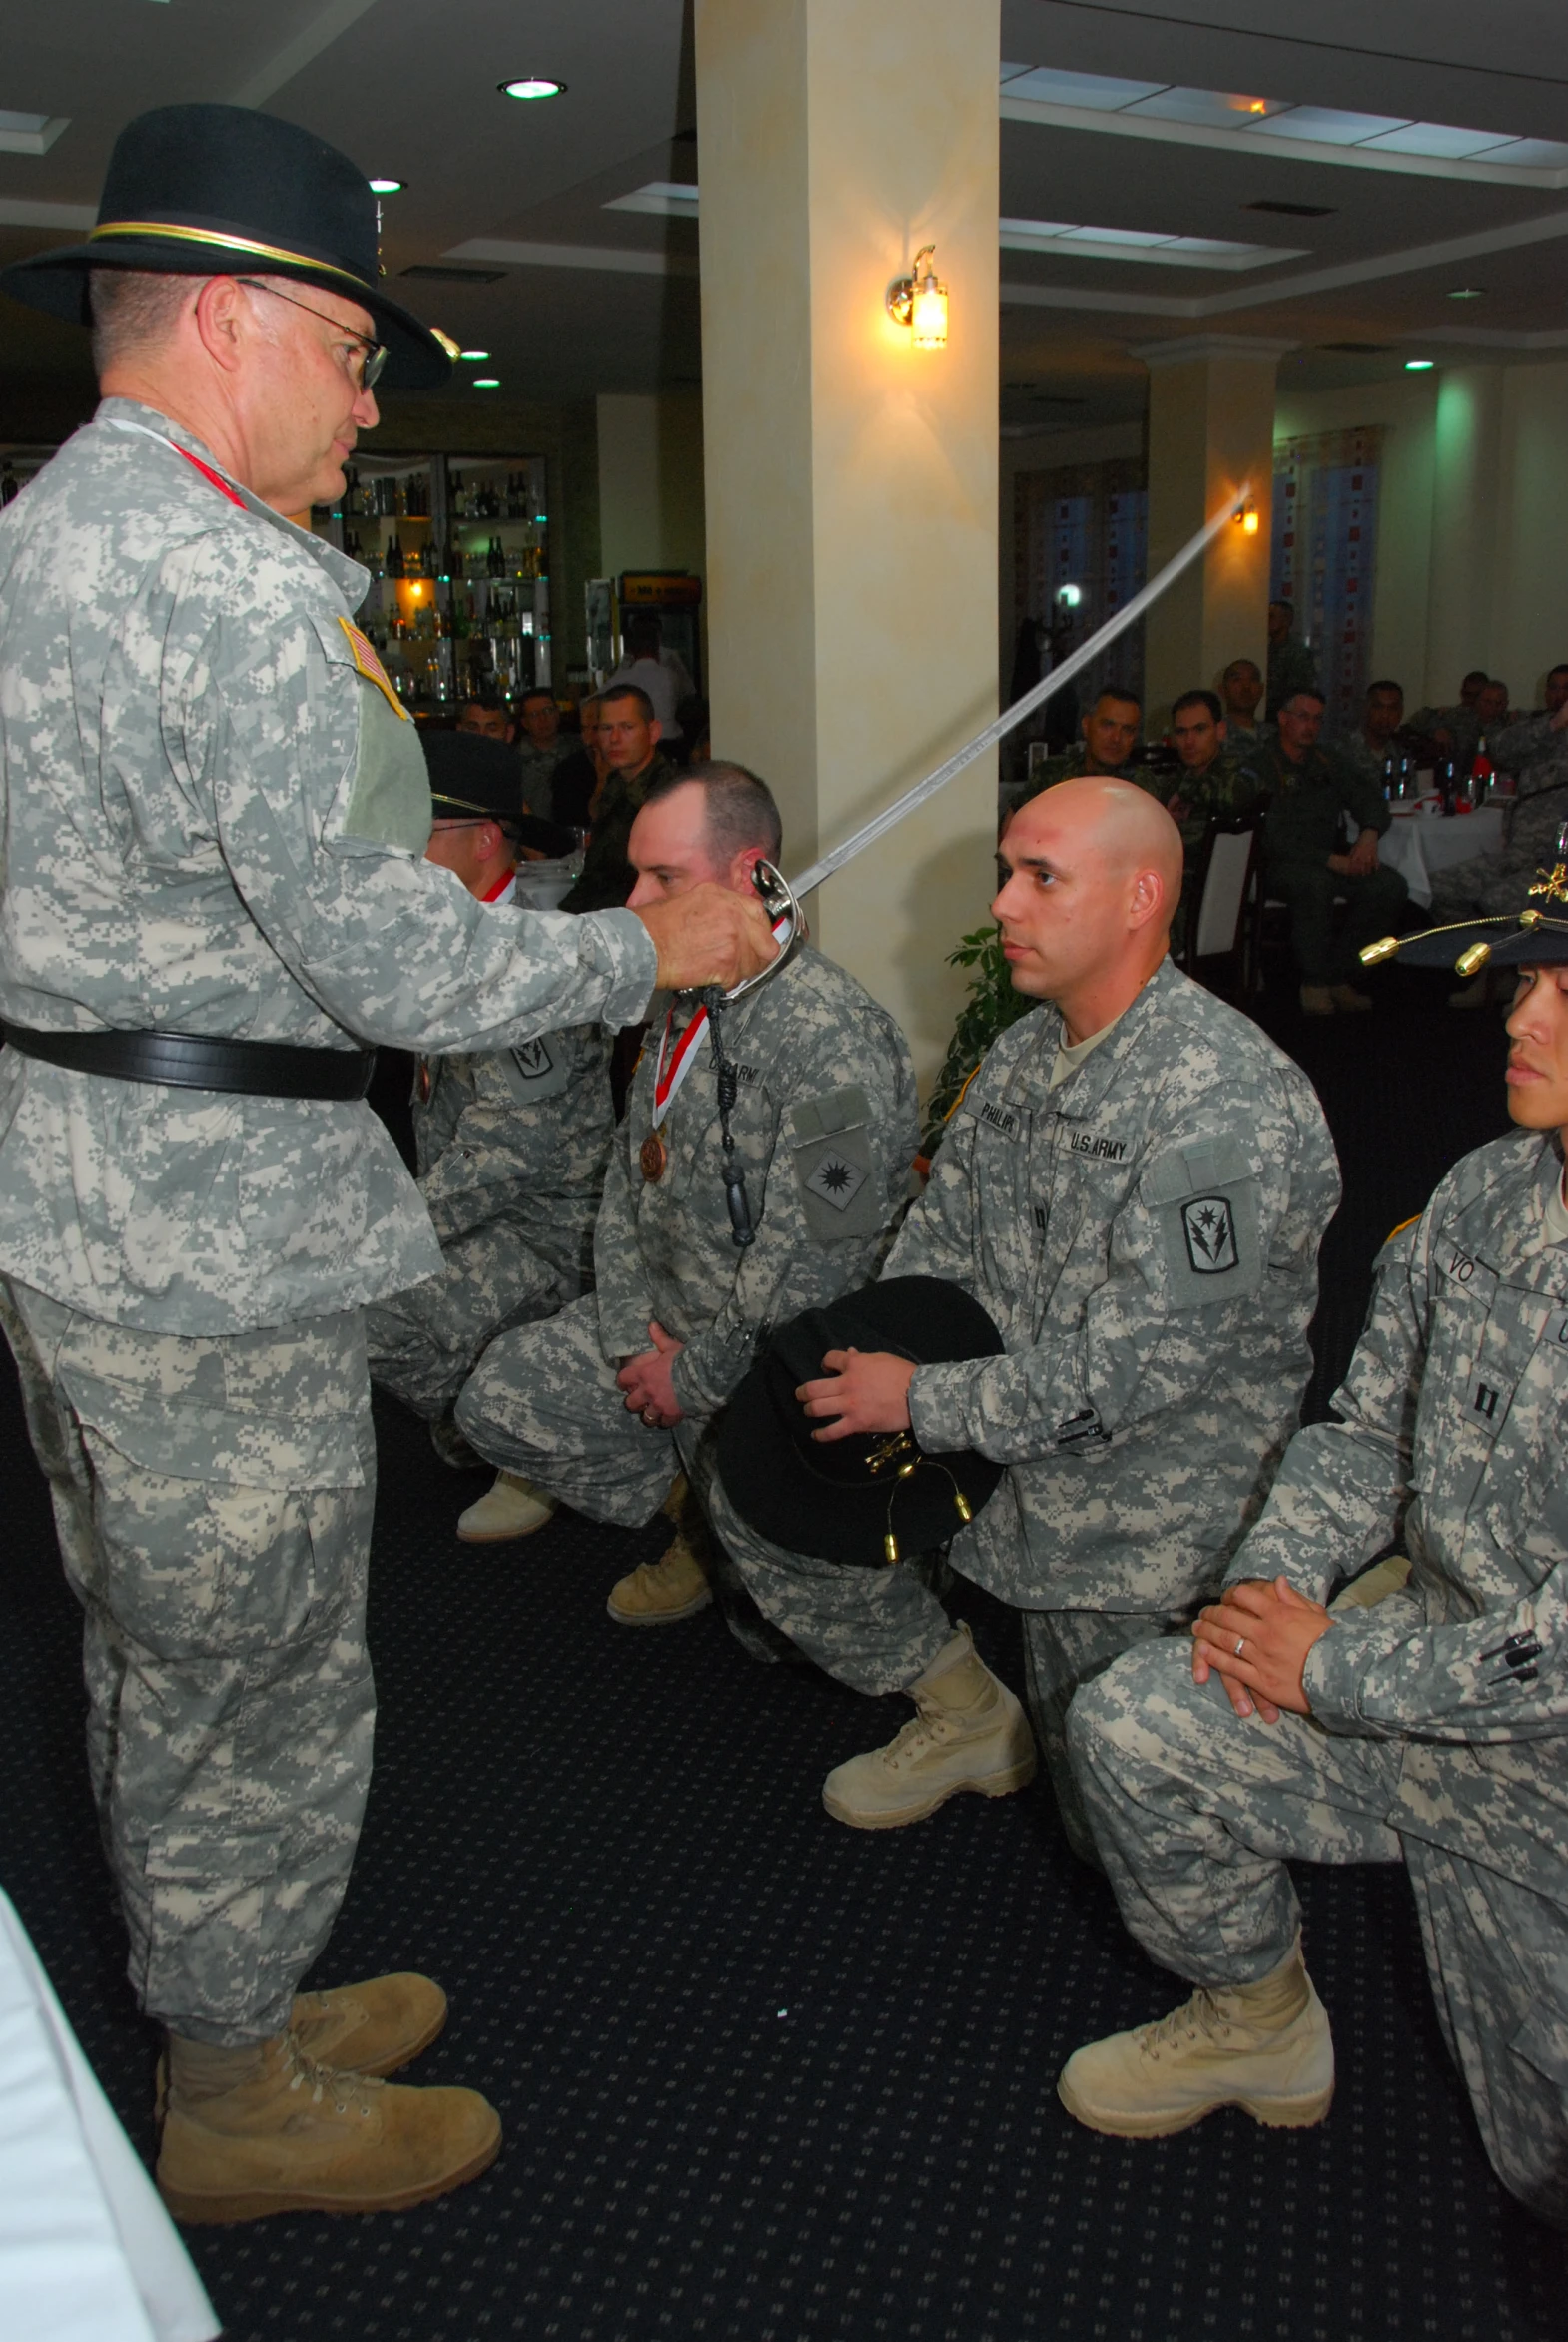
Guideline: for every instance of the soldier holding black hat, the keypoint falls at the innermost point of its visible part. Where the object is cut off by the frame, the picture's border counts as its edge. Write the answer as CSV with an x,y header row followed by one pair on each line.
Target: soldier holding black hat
x,y
1428,1729
216,898
1134,1188
511,1144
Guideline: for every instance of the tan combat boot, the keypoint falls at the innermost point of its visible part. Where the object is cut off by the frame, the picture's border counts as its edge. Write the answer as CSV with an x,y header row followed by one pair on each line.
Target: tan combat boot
x,y
661,1592
512,1507
1266,2047
968,1733
376,2028
265,2130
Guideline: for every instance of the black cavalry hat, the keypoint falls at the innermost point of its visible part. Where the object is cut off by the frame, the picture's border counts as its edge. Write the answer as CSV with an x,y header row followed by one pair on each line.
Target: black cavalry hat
x,y
203,191
476,778
1533,936
864,1500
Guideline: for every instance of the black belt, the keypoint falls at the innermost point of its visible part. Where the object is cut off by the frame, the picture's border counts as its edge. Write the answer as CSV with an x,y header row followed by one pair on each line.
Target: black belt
x,y
192,1061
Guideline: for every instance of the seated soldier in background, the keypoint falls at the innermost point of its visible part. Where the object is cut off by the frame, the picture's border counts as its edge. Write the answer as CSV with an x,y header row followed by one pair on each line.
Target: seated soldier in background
x,y
1242,691
1309,796
626,743
511,1144
603,1406
1133,1185
541,749
1212,784
1383,733
1110,731
1431,1729
580,771
1518,745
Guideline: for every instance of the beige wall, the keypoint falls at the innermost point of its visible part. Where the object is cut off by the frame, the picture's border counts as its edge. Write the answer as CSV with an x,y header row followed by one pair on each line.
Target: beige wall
x,y
1472,532
1211,425
852,478
651,512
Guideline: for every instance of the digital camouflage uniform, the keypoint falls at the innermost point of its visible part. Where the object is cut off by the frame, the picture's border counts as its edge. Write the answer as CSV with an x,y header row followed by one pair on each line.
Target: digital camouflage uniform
x,y
824,1128
1301,828
512,1147
1144,1237
607,876
1498,882
536,772
1439,1718
215,823
1222,789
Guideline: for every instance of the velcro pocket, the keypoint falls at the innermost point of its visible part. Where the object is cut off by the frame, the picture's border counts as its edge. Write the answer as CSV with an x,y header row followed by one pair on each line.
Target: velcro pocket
x,y
835,1171
1204,1197
387,797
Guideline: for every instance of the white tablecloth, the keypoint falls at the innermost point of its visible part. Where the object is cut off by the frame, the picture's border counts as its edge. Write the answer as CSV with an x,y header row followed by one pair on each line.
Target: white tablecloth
x,y
87,2252
1416,844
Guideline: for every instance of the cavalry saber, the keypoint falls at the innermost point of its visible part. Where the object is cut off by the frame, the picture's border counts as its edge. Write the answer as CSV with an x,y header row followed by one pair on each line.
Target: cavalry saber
x,y
1046,688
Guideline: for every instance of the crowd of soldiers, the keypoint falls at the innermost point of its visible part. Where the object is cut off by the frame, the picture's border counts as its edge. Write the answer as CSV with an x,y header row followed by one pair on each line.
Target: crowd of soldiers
x,y
1068,1368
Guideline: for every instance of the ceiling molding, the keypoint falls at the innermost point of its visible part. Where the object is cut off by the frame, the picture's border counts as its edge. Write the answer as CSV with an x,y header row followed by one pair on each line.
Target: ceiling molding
x,y
21,212
325,28
34,142
1199,349
1270,147
1549,228
515,255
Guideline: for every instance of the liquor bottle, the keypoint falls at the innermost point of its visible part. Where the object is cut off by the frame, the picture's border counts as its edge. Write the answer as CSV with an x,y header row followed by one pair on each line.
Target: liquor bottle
x,y
1447,781
394,567
495,562
1482,772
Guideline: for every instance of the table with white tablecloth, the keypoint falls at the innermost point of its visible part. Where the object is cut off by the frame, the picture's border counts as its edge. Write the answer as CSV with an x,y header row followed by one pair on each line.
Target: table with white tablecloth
x,y
87,2252
1416,844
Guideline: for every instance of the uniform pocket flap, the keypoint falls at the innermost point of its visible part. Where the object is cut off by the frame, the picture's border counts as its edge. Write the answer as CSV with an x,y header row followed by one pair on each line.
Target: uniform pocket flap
x,y
189,1441
835,1109
1221,1162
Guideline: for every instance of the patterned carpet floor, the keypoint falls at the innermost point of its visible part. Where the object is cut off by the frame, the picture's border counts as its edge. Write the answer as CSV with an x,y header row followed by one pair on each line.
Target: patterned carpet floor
x,y
764,2077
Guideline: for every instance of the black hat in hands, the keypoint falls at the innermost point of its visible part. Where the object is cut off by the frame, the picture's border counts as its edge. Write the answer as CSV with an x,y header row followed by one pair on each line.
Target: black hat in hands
x,y
866,1500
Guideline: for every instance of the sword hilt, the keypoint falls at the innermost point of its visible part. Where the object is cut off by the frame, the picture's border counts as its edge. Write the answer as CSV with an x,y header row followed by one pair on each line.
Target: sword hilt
x,y
779,901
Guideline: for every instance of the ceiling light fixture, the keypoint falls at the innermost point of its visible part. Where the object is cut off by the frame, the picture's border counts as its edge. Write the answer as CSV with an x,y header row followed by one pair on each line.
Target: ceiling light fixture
x,y
384,186
1419,365
1467,292
531,85
476,356
919,302
487,381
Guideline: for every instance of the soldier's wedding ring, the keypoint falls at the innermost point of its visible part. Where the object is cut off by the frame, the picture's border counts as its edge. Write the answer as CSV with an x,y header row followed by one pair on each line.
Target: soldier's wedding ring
x,y
1241,1639
650,1418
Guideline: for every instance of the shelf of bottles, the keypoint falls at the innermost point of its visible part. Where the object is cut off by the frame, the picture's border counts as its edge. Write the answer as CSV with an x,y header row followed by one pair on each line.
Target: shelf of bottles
x,y
457,548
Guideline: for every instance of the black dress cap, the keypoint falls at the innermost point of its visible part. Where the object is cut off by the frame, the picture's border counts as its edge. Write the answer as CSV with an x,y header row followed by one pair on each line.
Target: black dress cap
x,y
475,778
1533,935
206,191
863,1500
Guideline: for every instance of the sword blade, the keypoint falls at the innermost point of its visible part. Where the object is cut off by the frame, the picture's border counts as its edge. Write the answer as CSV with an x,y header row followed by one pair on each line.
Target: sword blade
x,y
891,815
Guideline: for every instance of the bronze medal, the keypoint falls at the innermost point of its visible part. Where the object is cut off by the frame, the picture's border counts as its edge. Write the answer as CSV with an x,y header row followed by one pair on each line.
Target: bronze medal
x,y
653,1156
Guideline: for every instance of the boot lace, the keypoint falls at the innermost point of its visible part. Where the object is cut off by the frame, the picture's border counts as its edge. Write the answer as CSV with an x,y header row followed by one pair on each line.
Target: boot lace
x,y
1198,2023
348,2093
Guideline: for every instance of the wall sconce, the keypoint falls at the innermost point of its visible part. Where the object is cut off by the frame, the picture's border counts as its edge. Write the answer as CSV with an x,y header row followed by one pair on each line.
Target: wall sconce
x,y
1246,518
919,302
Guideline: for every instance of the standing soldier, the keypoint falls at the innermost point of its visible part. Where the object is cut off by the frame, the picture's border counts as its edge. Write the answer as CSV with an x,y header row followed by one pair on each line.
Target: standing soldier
x,y
1430,1729
511,1142
216,815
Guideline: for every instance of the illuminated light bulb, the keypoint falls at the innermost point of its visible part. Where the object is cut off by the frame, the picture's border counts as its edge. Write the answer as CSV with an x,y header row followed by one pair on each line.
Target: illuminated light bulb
x,y
929,314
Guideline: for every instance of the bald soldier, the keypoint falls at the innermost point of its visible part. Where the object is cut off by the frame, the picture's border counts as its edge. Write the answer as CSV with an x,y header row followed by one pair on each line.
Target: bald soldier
x,y
1134,1185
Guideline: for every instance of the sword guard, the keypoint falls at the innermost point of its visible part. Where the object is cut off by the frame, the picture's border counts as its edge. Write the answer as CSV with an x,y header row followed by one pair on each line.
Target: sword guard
x,y
779,902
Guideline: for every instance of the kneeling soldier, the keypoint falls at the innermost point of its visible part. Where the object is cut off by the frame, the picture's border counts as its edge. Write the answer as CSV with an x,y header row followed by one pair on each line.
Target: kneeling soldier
x,y
1133,1185
1431,1730
602,1407
511,1142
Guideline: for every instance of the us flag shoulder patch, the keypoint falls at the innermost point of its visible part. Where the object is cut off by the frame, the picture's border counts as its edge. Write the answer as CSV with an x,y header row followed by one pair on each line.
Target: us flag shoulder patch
x,y
363,652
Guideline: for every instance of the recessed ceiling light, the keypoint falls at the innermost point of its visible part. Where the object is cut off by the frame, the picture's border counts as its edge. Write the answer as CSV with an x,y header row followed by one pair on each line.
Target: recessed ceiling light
x,y
1467,292
487,381
385,187
531,85
1419,365
476,357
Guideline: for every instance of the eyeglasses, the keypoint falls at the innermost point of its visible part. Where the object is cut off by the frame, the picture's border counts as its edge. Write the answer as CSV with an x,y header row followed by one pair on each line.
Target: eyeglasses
x,y
373,355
